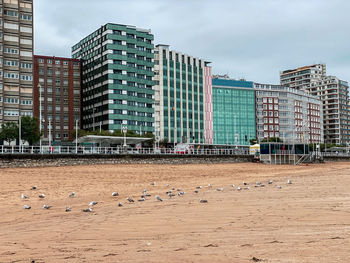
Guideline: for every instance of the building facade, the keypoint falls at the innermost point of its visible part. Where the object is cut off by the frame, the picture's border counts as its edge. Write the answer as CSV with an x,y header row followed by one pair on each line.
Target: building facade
x,y
179,96
334,94
58,87
289,114
16,59
233,111
208,106
117,78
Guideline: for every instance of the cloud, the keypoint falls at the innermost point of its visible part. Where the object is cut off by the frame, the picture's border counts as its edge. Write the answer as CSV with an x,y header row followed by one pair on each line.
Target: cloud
x,y
254,39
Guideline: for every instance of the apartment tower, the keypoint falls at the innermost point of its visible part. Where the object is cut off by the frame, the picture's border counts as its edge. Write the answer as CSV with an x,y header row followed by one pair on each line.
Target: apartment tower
x,y
117,78
334,94
179,96
16,59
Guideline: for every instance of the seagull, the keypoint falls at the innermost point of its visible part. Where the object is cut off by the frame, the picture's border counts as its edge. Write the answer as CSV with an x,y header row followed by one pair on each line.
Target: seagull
x,y
148,195
120,204
130,199
159,198
167,185
179,189
199,187
34,187
42,196
144,190
203,201
27,207
115,194
67,209
153,183
247,188
270,182
72,194
93,203
239,188
46,206
209,185
220,189
196,191
142,199
171,194
289,182
244,183
278,186
180,193
87,210
233,186
24,196
173,189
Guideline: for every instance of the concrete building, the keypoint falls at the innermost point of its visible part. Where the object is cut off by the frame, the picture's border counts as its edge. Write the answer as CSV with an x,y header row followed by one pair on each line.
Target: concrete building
x,y
233,111
60,83
117,78
179,96
16,59
334,94
289,114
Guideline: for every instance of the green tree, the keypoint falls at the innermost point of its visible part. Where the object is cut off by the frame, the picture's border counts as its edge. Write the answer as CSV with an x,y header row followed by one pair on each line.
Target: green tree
x,y
272,139
30,130
9,132
253,141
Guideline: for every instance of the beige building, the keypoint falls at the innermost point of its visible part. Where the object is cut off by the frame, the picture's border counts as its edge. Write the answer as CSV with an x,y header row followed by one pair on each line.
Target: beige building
x,y
16,59
334,94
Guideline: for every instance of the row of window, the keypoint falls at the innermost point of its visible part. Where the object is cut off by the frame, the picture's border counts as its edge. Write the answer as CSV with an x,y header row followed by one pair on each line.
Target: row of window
x,y
57,62
134,113
135,123
12,75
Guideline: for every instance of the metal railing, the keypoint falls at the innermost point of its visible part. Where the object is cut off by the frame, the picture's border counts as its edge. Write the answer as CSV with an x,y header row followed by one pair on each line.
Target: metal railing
x,y
115,150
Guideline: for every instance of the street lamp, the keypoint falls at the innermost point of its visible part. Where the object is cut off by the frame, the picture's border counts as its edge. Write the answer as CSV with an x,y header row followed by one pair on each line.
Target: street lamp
x,y
76,136
40,116
125,130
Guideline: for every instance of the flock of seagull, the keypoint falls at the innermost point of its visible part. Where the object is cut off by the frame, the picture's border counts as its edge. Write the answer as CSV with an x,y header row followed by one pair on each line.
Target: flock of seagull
x,y
170,193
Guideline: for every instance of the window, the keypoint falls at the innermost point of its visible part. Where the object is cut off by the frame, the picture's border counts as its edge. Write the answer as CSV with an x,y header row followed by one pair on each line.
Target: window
x,y
11,75
10,13
26,102
27,77
11,100
57,62
29,66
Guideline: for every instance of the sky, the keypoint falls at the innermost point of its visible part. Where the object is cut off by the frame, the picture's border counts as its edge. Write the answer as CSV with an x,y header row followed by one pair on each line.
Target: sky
x,y
250,39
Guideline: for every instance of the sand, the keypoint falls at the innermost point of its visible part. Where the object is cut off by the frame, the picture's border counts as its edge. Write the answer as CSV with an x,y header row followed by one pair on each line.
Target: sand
x,y
307,221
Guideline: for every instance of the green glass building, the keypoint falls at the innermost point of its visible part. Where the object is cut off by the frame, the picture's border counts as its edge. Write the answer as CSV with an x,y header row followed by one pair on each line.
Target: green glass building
x,y
117,78
179,96
233,111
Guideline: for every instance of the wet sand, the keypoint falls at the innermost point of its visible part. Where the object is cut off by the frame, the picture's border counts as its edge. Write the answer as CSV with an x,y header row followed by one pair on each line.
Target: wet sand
x,y
307,221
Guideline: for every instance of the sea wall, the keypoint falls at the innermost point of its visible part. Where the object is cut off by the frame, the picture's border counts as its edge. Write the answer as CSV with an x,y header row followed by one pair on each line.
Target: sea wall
x,y
37,160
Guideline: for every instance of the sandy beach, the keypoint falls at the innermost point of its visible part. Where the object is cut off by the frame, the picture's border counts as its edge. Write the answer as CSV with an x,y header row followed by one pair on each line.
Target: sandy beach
x,y
306,221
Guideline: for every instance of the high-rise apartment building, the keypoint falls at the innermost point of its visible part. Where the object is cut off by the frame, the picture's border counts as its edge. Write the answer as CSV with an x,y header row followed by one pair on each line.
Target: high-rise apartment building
x,y
208,106
59,79
16,59
179,96
289,114
334,94
233,111
117,78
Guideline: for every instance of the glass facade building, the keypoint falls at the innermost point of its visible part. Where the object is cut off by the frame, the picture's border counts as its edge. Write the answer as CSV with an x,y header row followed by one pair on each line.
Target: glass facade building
x,y
233,111
117,78
179,97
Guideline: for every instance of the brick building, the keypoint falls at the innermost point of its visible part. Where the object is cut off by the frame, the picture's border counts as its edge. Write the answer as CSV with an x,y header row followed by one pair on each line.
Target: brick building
x,y
60,83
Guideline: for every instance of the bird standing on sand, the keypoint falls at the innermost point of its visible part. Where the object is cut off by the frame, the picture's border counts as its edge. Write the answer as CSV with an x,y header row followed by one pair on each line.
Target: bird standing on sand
x,y
130,199
203,201
67,209
239,188
115,194
289,182
153,183
34,187
87,210
41,196
220,189
142,199
72,194
93,203
120,204
278,186
24,196
270,182
159,198
46,207
27,207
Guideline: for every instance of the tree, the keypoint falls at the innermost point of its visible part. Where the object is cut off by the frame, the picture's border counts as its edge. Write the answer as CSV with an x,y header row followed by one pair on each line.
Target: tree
x,y
30,131
9,132
253,141
272,139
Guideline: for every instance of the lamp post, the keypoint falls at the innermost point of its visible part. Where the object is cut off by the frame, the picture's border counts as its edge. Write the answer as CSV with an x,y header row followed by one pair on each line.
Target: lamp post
x,y
50,134
125,130
40,116
76,136
19,133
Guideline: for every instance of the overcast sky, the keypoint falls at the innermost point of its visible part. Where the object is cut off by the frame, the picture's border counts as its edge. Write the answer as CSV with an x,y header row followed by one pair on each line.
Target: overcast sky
x,y
251,39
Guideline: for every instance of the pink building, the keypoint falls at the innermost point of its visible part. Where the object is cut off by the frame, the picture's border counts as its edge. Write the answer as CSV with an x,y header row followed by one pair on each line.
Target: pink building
x,y
208,106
